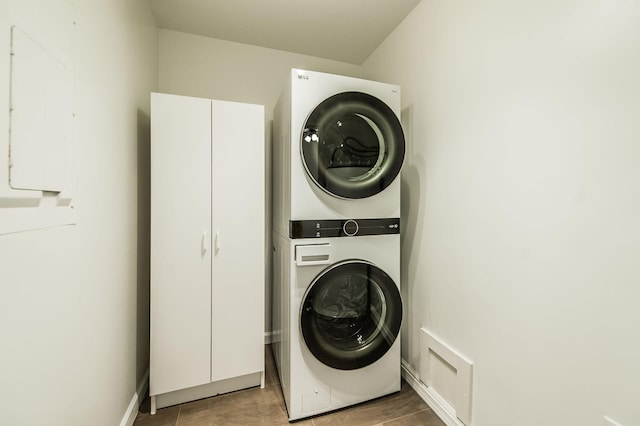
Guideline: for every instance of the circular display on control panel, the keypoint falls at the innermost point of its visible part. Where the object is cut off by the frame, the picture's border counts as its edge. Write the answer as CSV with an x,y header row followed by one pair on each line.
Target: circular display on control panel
x,y
350,227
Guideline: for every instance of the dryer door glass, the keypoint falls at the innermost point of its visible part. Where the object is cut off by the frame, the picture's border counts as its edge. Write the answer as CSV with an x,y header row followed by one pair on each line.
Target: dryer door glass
x,y
351,315
352,145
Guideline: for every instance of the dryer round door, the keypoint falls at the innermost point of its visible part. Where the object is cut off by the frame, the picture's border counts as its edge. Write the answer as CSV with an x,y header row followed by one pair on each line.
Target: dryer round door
x,y
351,314
352,145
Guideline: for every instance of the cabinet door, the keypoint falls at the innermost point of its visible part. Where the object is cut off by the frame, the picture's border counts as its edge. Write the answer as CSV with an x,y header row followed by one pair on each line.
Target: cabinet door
x,y
238,233
180,239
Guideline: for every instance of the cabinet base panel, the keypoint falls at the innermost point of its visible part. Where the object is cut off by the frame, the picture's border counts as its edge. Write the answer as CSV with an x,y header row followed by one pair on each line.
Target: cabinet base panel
x,y
210,389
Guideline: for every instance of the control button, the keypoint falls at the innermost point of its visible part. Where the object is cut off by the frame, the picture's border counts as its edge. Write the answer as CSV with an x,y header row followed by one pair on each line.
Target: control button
x,y
350,227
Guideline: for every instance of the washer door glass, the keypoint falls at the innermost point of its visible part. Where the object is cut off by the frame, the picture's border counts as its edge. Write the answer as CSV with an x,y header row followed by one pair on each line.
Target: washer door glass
x,y
352,145
351,315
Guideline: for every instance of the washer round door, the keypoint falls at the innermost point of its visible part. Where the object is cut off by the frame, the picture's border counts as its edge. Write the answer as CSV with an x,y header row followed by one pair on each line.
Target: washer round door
x,y
352,145
351,314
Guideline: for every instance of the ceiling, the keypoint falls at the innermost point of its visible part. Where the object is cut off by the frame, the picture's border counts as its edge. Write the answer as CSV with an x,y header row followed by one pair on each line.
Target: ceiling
x,y
342,30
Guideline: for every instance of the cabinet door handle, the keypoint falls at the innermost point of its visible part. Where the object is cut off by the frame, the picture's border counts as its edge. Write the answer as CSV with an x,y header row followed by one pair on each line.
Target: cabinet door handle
x,y
218,245
203,243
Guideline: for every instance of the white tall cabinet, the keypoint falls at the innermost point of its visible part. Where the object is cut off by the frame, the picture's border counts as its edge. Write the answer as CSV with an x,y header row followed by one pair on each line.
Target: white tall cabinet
x,y
207,248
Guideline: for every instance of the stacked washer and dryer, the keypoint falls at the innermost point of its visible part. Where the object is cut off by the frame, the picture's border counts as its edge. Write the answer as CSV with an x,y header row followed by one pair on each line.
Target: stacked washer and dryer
x,y
338,148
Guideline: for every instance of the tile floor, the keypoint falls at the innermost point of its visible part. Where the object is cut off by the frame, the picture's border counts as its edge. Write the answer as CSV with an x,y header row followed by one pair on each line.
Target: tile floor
x,y
257,406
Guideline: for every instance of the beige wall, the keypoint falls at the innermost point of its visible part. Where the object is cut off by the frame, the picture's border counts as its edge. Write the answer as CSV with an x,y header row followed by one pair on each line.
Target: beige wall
x,y
73,299
521,201
198,66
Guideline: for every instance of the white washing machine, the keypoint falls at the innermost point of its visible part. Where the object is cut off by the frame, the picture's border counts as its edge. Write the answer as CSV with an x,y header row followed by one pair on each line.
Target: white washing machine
x,y
338,149
336,320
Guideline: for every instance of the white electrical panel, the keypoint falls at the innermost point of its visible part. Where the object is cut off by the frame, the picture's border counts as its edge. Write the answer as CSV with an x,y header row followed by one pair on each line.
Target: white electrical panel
x,y
37,169
41,117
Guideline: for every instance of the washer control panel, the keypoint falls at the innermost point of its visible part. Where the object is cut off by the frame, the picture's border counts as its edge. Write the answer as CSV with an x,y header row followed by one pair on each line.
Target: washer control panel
x,y
343,227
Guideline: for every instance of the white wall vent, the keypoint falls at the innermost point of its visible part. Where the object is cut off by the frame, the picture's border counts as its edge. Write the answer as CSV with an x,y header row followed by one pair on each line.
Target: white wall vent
x,y
447,375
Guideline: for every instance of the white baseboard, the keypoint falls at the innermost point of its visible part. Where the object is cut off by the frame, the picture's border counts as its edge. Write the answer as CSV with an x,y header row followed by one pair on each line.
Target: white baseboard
x,y
132,410
430,397
209,389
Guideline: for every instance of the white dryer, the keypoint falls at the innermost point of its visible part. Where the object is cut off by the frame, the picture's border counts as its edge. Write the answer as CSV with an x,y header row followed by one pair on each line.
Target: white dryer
x,y
338,149
336,320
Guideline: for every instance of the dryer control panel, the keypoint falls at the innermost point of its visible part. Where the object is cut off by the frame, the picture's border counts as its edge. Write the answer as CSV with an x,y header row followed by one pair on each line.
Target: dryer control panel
x,y
343,227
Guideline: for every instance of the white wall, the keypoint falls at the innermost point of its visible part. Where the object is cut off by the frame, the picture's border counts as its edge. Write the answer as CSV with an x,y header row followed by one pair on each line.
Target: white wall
x,y
73,299
199,66
521,200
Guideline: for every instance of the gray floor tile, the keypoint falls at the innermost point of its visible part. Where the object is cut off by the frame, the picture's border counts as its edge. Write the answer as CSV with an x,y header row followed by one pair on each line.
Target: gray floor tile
x,y
422,418
266,406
